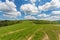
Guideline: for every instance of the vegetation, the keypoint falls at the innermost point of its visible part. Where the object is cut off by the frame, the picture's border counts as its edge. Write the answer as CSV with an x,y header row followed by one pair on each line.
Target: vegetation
x,y
9,22
45,22
31,30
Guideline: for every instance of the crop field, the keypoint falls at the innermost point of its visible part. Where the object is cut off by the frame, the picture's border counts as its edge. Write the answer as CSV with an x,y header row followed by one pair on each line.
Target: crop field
x,y
30,31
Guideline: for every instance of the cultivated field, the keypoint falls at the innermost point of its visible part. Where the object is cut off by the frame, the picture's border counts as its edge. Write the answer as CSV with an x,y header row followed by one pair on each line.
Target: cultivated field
x,y
30,31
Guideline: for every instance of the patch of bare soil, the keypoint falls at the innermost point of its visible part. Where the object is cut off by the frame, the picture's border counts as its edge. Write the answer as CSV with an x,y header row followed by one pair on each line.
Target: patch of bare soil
x,y
30,38
56,25
59,36
45,37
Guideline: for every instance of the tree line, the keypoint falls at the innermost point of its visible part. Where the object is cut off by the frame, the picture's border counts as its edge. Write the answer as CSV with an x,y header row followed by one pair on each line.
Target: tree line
x,y
4,23
8,22
45,22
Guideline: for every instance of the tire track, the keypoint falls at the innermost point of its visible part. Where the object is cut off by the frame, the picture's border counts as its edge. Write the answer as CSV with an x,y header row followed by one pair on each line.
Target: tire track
x,y
12,32
58,33
30,38
45,37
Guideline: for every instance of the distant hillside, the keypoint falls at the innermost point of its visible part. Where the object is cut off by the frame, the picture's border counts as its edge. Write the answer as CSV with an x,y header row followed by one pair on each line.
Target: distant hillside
x,y
11,22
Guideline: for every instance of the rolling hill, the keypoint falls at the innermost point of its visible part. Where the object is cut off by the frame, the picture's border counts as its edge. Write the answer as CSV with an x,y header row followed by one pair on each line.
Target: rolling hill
x,y
30,31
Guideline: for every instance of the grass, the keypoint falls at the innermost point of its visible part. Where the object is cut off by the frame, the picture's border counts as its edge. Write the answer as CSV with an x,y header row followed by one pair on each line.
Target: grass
x,y
52,35
38,36
38,31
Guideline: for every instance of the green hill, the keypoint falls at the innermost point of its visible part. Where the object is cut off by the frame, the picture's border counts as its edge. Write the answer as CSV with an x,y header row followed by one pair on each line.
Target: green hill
x,y
30,31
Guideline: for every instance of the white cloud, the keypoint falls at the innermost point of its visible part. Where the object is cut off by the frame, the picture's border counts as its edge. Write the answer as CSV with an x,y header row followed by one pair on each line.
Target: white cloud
x,y
29,8
51,18
30,17
12,14
33,10
55,15
33,1
43,15
45,7
56,12
55,3
50,5
9,9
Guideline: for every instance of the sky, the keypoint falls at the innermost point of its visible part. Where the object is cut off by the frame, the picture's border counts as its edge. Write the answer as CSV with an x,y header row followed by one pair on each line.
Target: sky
x,y
30,9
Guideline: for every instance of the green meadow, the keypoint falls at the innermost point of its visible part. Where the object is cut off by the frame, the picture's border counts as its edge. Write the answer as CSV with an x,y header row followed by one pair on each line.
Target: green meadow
x,y
30,31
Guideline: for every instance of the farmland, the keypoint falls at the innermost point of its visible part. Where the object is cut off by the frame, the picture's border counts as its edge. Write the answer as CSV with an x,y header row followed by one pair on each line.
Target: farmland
x,y
30,31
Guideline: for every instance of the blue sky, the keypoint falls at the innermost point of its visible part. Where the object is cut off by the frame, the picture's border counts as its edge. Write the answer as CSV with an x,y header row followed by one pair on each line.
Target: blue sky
x,y
30,9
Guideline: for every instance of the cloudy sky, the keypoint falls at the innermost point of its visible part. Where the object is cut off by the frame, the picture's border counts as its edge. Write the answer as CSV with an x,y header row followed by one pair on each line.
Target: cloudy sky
x,y
30,9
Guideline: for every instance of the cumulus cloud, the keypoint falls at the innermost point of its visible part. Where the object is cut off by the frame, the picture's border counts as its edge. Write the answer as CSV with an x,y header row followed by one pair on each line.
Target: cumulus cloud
x,y
50,5
45,7
12,14
30,17
43,15
9,9
55,3
29,9
34,10
52,18
33,1
56,14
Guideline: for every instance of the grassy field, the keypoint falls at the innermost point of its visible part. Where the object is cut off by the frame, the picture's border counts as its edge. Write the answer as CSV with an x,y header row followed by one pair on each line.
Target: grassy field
x,y
30,31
